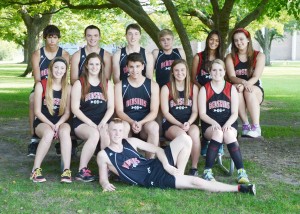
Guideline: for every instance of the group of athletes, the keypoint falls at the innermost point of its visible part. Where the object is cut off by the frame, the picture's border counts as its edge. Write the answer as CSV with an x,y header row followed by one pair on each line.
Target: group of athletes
x,y
140,106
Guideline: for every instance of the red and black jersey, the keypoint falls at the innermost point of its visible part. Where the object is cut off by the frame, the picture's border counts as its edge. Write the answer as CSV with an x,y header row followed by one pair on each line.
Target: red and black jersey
x,y
136,101
241,68
83,58
44,62
202,75
163,66
218,106
124,73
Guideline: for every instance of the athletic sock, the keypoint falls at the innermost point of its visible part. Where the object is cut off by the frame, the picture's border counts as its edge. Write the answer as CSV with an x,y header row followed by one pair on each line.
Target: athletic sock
x,y
212,152
235,153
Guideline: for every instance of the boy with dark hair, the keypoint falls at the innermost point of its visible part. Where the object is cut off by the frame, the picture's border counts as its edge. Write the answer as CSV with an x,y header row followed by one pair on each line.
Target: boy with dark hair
x,y
41,59
136,101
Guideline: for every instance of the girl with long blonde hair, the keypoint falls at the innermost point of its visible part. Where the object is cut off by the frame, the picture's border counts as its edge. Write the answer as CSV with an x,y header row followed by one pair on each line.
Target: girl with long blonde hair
x,y
52,110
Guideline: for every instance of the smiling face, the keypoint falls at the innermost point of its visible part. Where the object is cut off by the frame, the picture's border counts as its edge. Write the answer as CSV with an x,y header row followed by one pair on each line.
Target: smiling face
x,y
179,72
59,69
94,66
240,41
92,37
135,69
213,42
115,131
217,72
133,36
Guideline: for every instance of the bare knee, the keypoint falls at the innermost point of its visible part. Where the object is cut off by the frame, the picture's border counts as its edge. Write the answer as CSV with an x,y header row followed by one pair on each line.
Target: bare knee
x,y
217,135
152,128
64,129
229,137
186,140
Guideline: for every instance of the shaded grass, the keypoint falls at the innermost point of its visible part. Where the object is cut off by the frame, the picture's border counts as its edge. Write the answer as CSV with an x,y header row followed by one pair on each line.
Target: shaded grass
x,y
280,119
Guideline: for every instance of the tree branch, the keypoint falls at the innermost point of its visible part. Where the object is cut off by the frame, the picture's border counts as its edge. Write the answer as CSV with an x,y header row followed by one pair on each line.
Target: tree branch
x,y
201,16
88,6
23,4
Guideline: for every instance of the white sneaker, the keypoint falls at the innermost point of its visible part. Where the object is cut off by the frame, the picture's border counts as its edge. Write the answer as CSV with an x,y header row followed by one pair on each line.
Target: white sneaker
x,y
246,128
255,132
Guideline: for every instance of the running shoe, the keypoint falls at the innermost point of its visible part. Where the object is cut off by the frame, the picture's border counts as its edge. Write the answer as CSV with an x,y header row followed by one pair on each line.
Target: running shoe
x,y
36,176
255,131
246,128
208,175
66,176
242,177
85,175
247,188
193,172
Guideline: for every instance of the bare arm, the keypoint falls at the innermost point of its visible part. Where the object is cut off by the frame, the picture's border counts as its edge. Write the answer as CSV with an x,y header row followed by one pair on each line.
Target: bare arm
x,y
154,105
234,103
38,92
150,65
119,104
231,72
66,55
74,75
107,64
194,114
35,60
116,66
110,103
102,161
159,152
194,70
182,53
259,68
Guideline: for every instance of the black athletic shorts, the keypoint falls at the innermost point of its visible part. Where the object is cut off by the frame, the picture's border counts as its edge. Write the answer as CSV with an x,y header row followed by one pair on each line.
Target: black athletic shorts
x,y
159,177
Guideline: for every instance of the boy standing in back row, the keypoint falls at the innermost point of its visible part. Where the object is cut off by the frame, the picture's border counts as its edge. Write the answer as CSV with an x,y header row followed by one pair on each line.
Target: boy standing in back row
x,y
133,36
40,60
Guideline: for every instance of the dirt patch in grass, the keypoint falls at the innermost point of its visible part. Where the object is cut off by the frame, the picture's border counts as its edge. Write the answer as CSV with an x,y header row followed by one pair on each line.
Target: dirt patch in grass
x,y
280,158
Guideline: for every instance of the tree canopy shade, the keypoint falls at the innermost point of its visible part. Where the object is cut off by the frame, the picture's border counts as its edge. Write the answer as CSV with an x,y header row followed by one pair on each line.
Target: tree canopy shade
x,y
186,15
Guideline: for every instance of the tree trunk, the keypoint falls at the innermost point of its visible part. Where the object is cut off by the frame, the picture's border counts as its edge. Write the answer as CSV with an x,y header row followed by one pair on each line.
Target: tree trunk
x,y
265,41
25,52
34,25
181,32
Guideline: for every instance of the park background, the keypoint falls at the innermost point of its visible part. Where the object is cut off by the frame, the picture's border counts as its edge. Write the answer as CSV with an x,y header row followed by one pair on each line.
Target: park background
x,y
272,163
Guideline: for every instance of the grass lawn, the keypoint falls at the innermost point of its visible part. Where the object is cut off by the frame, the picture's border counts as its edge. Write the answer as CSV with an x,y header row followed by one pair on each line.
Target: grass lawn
x,y
279,118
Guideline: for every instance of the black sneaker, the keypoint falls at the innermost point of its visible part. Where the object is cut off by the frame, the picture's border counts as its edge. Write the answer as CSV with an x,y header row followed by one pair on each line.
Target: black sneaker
x,y
57,149
247,188
32,147
85,175
193,172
